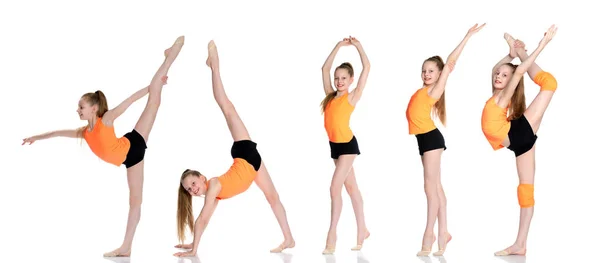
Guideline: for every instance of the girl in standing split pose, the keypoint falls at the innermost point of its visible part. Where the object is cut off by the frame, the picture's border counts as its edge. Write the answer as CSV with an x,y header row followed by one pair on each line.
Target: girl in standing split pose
x,y
518,130
129,149
247,167
338,105
431,141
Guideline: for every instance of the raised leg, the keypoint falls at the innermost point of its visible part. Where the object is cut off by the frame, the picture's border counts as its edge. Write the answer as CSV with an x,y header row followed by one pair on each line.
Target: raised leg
x,y
526,171
535,112
135,180
146,120
234,122
265,183
342,170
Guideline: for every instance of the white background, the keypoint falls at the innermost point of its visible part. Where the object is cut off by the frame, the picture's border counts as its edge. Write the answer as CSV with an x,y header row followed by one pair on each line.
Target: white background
x,y
60,202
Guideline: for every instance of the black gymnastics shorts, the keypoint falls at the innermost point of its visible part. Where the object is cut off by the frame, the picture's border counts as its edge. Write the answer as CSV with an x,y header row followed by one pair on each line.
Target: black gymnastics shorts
x,y
429,141
137,148
342,148
246,149
521,136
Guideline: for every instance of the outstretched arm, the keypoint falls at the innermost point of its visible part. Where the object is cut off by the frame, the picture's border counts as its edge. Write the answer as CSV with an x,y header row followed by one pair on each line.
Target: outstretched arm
x,y
326,69
521,52
111,115
59,133
440,86
210,203
364,74
508,92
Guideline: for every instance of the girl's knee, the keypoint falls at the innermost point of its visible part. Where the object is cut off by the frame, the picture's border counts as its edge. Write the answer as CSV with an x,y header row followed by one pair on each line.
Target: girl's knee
x,y
335,190
135,201
349,188
546,81
272,198
154,100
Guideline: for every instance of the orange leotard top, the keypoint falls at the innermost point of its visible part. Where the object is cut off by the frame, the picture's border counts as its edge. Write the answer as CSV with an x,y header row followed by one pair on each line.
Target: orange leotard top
x,y
104,143
337,119
418,112
494,123
237,179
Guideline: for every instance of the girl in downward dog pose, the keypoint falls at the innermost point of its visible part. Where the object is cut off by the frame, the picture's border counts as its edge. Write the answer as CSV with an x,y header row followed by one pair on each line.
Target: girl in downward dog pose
x,y
247,167
129,149
431,141
337,107
518,130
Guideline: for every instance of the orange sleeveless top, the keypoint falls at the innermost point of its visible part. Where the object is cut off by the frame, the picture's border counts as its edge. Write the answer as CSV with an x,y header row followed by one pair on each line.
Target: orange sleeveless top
x,y
418,112
494,123
337,119
237,179
104,143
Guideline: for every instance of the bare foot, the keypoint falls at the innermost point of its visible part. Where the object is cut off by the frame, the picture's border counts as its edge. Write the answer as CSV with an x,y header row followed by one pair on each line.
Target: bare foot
x,y
360,239
512,250
286,244
426,246
443,241
118,253
213,55
330,244
511,43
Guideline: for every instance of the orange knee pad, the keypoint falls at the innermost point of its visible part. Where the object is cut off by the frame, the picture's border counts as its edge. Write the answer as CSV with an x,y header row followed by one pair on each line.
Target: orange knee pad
x,y
525,195
545,80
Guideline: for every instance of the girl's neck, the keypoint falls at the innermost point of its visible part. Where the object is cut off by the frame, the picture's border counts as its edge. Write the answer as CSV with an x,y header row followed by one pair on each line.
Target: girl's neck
x,y
92,122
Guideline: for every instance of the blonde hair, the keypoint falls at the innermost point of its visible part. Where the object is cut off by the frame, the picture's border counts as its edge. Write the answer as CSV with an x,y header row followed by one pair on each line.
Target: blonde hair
x,y
185,217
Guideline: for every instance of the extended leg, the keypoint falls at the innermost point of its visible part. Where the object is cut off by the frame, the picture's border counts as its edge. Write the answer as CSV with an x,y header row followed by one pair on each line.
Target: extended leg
x,y
234,122
342,170
358,206
265,183
146,120
526,171
431,172
535,112
135,179
443,235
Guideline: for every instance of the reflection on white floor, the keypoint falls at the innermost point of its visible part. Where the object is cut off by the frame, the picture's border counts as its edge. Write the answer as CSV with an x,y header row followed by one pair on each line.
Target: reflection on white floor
x,y
358,257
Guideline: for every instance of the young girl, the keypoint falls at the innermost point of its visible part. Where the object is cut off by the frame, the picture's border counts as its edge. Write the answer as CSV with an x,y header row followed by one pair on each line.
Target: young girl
x,y
128,150
247,167
337,107
431,141
517,132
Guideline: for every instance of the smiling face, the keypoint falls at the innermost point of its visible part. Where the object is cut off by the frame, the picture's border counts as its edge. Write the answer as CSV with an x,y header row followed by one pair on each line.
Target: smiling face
x,y
342,79
430,72
86,110
194,184
502,76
